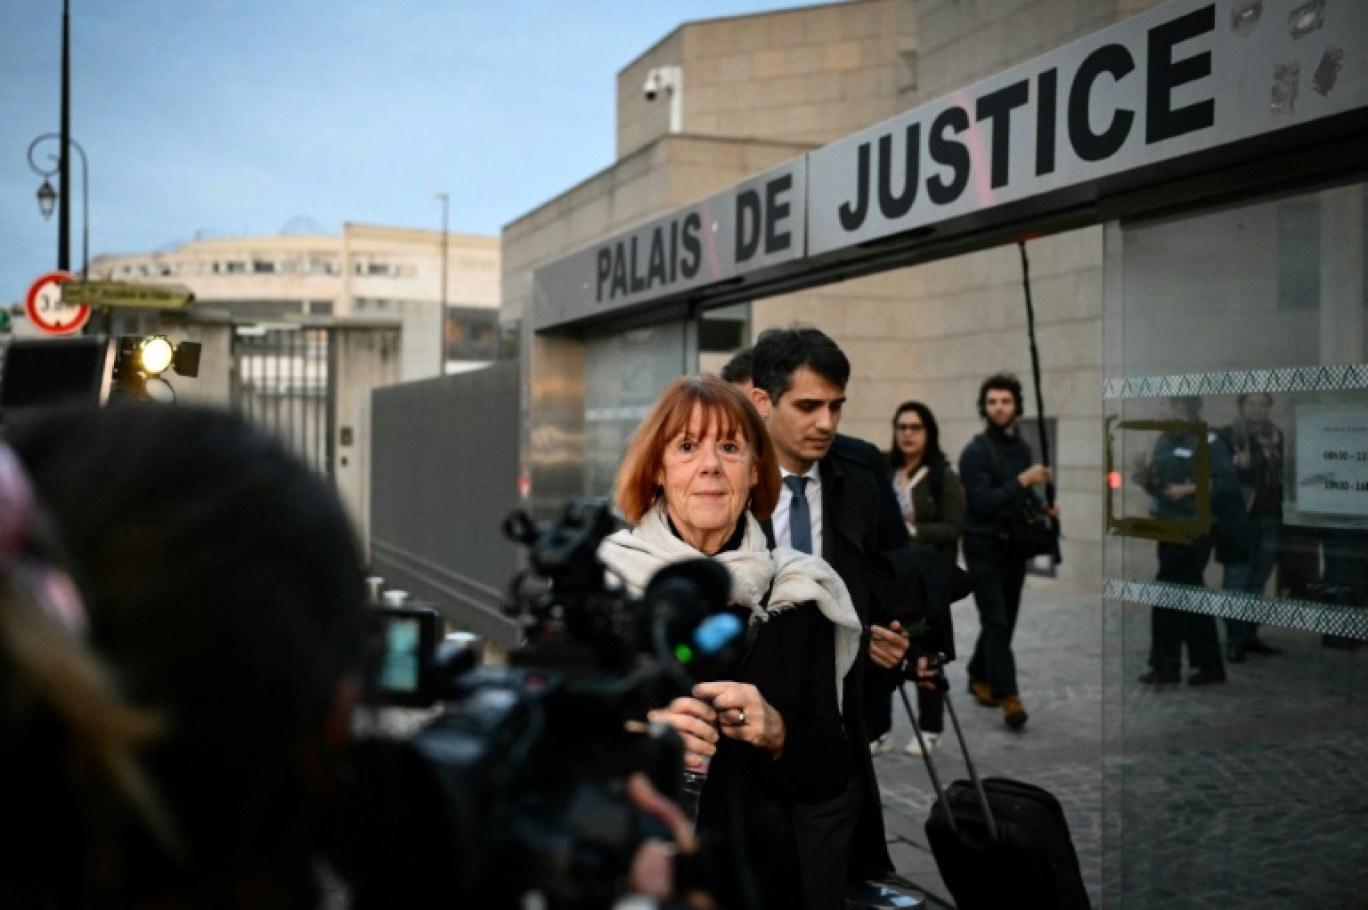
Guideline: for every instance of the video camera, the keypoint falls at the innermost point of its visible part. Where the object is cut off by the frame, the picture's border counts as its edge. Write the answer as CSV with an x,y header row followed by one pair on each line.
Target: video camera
x,y
515,790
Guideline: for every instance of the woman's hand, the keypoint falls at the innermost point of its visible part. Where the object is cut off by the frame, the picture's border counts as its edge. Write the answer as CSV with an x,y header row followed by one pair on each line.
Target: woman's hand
x,y
695,721
743,714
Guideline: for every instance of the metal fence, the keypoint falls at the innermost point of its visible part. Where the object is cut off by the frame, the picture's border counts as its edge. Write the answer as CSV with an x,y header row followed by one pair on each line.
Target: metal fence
x,y
282,380
444,475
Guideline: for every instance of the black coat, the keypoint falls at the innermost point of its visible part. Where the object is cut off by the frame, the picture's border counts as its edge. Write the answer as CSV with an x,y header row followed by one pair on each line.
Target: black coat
x,y
857,539
865,541
989,467
747,787
889,577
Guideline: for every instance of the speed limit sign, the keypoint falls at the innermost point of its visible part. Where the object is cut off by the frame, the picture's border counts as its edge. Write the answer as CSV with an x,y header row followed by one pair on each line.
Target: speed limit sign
x,y
46,310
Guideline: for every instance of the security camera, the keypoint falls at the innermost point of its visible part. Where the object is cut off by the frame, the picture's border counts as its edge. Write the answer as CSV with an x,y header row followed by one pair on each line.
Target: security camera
x,y
655,84
667,80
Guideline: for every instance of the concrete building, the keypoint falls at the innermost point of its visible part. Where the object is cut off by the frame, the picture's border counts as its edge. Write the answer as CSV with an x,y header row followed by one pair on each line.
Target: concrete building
x,y
762,89
369,271
297,330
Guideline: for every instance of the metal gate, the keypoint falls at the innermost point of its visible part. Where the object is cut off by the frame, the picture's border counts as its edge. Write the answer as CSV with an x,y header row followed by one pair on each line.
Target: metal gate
x,y
282,380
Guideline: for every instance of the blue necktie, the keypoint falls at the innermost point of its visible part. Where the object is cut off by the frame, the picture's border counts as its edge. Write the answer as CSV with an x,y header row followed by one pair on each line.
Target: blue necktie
x,y
800,516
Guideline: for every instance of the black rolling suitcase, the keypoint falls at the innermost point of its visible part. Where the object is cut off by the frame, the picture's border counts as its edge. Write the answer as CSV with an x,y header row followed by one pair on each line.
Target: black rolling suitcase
x,y
1000,842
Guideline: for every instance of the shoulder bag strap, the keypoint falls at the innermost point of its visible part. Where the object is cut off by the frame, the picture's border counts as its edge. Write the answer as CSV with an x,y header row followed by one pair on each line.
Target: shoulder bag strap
x,y
995,455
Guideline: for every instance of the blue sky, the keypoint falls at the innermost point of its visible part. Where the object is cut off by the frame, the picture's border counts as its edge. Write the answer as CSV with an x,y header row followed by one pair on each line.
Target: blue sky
x,y
235,117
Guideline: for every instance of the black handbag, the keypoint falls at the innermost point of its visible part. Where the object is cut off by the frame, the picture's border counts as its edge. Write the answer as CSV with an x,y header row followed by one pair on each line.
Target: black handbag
x,y
1030,532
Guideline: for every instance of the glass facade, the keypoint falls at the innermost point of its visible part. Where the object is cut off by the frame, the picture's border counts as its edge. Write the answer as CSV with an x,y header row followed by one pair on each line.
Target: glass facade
x,y
624,373
1236,509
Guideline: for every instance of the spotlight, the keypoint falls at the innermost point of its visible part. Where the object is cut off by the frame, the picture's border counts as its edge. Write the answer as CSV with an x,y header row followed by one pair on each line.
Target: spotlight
x,y
154,354
142,359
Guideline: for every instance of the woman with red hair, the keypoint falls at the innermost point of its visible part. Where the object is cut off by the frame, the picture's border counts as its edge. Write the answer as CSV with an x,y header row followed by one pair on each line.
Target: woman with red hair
x,y
699,476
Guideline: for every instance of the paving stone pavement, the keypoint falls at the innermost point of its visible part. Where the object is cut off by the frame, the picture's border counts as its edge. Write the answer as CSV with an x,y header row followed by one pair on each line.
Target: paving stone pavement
x,y
1247,794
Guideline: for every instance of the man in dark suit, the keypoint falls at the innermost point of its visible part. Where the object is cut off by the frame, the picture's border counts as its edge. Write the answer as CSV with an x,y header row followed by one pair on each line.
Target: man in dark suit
x,y
831,505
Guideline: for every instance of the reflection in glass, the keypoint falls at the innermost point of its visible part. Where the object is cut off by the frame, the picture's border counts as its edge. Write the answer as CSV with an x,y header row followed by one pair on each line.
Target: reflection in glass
x,y
1259,309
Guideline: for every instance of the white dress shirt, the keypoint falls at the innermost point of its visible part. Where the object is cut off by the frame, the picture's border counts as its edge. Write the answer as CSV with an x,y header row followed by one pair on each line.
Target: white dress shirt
x,y
780,519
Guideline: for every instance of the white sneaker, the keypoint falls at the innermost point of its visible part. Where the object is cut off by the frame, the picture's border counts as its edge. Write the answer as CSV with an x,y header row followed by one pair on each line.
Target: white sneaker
x,y
933,744
882,746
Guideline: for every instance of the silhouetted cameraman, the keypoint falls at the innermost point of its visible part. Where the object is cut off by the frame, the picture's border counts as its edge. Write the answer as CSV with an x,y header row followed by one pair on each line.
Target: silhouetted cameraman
x,y
182,637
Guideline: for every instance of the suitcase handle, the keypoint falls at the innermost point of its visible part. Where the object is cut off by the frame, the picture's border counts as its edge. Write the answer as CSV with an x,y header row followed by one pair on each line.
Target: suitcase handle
x,y
964,748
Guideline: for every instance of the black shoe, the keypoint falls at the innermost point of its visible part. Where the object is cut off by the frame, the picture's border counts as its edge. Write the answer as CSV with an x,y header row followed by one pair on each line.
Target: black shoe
x,y
1235,653
1206,676
1158,677
1259,646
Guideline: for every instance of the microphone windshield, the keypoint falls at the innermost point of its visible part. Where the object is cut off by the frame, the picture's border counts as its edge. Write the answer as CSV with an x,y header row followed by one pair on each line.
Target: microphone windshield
x,y
695,586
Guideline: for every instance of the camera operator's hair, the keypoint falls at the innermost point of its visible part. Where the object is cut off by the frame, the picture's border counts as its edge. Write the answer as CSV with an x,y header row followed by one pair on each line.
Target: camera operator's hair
x,y
778,353
1000,382
224,592
50,681
721,402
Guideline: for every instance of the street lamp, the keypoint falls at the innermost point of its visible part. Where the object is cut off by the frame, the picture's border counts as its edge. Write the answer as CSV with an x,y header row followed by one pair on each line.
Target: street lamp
x,y
442,306
48,197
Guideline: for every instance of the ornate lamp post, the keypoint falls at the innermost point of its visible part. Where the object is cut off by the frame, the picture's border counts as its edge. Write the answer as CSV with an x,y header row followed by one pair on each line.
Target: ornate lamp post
x,y
48,197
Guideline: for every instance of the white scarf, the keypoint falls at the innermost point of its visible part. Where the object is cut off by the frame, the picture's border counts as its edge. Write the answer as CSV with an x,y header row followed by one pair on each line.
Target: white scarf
x,y
796,578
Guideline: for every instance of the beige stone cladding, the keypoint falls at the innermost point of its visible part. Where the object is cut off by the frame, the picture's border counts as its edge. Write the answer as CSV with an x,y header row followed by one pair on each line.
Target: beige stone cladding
x,y
963,41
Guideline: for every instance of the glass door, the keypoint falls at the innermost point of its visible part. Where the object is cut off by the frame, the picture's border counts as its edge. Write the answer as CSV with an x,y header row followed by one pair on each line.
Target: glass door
x,y
1236,555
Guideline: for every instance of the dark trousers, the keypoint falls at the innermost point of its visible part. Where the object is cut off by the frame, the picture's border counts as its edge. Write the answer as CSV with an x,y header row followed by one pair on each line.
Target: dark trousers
x,y
998,579
1171,629
930,710
825,832
1252,575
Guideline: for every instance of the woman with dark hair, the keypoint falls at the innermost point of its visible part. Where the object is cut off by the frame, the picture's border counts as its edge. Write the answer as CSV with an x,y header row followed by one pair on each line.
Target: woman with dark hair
x,y
931,498
698,477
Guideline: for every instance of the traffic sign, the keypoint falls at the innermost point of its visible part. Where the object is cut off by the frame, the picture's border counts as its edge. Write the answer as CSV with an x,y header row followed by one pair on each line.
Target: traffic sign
x,y
48,312
126,294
